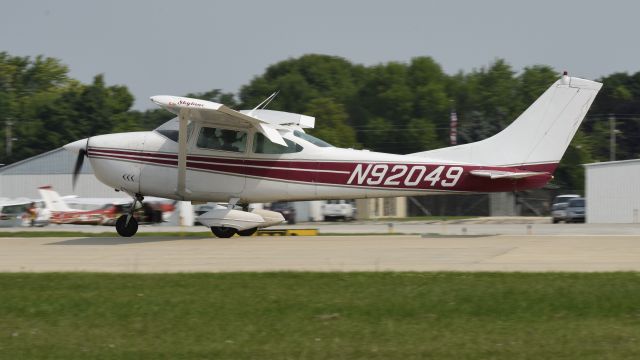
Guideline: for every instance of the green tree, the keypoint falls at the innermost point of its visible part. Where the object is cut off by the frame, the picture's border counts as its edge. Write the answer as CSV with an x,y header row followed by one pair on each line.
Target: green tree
x,y
331,123
533,81
570,172
25,84
303,79
491,102
69,112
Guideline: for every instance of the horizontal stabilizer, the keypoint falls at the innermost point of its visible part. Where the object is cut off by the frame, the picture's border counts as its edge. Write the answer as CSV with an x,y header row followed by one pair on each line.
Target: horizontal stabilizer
x,y
500,174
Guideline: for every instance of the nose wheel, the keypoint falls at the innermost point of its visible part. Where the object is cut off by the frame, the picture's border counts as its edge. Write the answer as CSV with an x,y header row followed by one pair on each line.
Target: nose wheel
x,y
125,229
127,225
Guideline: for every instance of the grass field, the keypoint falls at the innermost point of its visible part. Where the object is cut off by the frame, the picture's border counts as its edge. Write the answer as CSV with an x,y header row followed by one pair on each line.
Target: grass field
x,y
320,316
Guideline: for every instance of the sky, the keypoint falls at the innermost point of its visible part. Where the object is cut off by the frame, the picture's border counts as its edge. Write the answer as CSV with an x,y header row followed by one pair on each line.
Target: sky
x,y
177,47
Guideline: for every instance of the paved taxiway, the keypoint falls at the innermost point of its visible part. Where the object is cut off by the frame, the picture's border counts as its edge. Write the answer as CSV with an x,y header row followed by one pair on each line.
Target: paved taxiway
x,y
474,226
324,253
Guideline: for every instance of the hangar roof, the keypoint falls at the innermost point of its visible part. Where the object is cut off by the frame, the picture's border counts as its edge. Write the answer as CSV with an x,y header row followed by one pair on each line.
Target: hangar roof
x,y
57,161
613,163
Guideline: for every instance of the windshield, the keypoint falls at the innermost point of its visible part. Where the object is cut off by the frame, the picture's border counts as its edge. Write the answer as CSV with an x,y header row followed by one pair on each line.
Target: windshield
x,y
312,139
576,203
262,145
560,206
170,129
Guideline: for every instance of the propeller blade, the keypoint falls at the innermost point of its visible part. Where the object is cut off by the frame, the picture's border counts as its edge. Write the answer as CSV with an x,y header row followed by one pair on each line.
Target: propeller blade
x,y
76,169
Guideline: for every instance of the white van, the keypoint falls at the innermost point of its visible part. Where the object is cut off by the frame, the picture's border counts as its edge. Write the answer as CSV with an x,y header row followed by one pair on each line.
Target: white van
x,y
338,209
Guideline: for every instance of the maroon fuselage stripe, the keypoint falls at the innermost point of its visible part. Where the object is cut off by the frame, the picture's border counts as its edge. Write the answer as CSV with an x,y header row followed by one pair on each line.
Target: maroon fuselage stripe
x,y
339,173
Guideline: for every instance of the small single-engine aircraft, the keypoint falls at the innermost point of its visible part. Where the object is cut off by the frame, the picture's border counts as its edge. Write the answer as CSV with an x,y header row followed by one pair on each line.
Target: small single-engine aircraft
x,y
104,211
211,153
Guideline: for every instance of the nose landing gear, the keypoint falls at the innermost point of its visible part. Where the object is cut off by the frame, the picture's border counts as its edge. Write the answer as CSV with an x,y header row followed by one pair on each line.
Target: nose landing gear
x,y
127,225
124,229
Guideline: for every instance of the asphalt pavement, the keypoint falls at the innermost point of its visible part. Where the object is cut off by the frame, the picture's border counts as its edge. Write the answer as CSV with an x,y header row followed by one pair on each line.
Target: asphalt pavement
x,y
584,253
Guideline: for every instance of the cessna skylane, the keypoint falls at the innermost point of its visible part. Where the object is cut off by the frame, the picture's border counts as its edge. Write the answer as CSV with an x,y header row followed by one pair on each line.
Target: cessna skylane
x,y
211,153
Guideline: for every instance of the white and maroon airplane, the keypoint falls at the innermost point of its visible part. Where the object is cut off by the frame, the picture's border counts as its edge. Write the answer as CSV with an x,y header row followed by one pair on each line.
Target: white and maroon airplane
x,y
213,153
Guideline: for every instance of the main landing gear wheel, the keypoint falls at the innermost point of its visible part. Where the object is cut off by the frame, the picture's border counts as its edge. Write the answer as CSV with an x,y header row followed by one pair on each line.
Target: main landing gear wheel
x,y
247,232
223,232
124,229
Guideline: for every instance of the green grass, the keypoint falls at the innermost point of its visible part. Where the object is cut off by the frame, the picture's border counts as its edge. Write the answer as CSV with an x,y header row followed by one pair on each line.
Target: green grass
x,y
320,316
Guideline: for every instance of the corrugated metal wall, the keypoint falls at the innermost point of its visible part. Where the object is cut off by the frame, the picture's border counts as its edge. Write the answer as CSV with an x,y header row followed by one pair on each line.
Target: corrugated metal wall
x,y
613,192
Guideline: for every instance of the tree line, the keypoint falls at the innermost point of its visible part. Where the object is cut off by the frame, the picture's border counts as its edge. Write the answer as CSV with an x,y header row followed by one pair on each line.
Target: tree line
x,y
392,107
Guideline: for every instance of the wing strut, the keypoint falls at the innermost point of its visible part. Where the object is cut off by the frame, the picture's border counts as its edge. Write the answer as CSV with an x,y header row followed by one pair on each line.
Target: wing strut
x,y
183,117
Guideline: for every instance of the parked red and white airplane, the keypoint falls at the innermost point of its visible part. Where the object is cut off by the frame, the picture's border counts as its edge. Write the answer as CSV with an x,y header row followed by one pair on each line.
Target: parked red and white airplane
x,y
106,210
213,153
61,213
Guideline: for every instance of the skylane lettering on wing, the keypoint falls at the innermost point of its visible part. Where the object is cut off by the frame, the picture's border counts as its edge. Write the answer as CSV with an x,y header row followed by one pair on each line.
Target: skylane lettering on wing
x,y
190,103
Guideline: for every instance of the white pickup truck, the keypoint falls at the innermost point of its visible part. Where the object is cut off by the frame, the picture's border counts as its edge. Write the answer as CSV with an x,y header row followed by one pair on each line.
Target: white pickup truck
x,y
338,209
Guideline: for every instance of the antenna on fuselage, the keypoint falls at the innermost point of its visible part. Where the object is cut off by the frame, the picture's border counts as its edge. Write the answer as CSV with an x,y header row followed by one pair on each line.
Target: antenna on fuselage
x,y
265,102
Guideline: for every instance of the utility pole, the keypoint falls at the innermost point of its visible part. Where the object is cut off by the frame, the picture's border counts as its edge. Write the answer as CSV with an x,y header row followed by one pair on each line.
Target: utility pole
x,y
453,130
9,138
612,137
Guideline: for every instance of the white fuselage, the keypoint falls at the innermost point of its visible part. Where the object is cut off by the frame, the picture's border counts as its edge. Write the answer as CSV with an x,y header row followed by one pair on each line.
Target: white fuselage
x,y
146,163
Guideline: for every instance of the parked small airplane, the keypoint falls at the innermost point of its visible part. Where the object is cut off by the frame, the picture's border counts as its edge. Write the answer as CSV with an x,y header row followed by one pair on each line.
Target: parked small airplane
x,y
211,153
105,210
61,213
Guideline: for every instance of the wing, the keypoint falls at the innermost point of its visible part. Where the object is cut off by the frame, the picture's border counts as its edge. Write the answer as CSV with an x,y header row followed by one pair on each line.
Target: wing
x,y
215,113
500,174
264,121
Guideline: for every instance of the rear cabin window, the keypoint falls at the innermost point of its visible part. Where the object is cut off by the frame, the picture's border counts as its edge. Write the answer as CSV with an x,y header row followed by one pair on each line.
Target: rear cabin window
x,y
262,145
222,139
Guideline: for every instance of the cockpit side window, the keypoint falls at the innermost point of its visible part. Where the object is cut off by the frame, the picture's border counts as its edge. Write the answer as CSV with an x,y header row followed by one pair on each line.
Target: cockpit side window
x,y
222,139
262,145
312,139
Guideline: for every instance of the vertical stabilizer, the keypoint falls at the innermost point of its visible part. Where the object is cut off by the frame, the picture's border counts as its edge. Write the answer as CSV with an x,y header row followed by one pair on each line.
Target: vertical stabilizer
x,y
540,135
52,199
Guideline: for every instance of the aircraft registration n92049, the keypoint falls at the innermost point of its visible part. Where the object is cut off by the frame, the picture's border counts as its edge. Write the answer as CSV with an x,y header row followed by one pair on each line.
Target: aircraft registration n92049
x,y
211,153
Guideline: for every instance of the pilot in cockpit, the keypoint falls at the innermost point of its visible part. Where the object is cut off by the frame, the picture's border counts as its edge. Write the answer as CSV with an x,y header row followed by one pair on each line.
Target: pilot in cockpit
x,y
228,137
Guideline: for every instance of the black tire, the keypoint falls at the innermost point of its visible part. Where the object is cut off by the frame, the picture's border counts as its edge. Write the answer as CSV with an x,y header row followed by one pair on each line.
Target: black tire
x,y
124,229
555,221
223,232
247,232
